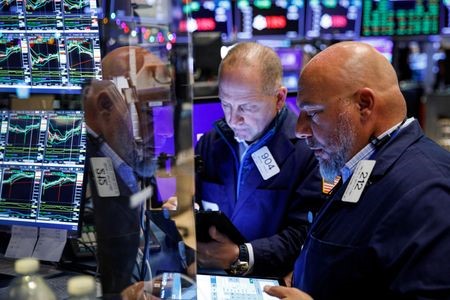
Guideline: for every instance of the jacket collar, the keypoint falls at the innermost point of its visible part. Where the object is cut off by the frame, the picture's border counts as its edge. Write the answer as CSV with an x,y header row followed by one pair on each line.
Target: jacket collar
x,y
277,123
392,150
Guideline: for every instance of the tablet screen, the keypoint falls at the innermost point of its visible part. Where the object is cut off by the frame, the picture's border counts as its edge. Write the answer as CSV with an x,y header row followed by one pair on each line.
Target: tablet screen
x,y
218,287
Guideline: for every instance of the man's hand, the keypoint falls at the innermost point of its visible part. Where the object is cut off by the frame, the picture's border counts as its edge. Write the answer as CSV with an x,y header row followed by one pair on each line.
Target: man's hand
x,y
219,253
286,293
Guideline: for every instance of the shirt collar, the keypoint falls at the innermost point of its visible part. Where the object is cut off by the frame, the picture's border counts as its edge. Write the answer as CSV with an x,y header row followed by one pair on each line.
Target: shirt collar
x,y
106,149
368,151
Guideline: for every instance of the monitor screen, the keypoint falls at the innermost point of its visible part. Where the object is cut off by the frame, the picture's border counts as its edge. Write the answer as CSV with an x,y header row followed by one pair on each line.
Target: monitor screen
x,y
445,17
206,111
208,15
291,60
382,44
400,17
333,19
48,46
42,156
206,52
261,18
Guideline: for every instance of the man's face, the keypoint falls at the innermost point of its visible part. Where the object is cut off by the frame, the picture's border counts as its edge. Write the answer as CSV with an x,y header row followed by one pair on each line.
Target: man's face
x,y
325,122
248,111
118,133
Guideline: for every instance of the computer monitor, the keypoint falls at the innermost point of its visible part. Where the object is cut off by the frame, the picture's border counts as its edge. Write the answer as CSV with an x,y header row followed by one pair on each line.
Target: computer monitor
x,y
269,19
445,18
333,19
207,16
291,102
42,171
48,46
291,60
206,111
206,46
400,18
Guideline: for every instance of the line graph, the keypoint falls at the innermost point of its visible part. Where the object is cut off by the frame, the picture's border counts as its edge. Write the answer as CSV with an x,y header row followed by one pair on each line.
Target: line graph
x,y
17,185
81,60
64,141
40,6
23,137
45,62
75,6
9,15
58,194
7,6
11,61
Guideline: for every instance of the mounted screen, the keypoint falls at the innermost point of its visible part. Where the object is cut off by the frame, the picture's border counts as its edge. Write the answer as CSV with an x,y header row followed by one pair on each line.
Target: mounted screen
x,y
48,46
333,19
400,17
208,16
42,169
275,19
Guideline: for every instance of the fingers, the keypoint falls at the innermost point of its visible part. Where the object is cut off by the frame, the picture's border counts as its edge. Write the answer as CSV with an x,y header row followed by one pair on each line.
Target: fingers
x,y
286,293
276,291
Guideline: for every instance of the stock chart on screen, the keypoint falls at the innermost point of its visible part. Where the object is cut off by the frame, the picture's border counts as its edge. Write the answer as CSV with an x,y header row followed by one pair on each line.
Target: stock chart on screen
x,y
49,46
42,168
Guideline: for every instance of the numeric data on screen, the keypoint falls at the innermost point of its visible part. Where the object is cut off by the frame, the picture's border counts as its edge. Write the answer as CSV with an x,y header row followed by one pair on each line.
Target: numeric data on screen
x,y
42,159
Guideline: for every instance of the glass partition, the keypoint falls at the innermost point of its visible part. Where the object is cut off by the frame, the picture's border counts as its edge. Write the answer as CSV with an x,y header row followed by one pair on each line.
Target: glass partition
x,y
138,120
95,141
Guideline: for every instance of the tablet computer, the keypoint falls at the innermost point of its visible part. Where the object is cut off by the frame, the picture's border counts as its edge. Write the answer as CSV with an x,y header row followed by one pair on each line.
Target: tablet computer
x,y
204,219
217,287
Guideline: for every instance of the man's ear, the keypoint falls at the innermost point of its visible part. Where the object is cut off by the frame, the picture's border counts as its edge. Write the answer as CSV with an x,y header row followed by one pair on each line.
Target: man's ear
x,y
104,105
366,102
281,97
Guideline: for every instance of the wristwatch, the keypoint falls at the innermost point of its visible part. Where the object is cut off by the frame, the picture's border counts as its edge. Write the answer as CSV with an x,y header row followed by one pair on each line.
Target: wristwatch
x,y
240,266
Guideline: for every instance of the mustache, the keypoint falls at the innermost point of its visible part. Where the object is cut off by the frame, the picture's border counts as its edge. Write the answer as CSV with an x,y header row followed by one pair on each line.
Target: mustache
x,y
313,143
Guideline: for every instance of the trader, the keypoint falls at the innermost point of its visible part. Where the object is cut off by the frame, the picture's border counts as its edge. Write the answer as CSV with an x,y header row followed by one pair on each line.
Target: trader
x,y
385,234
121,147
255,170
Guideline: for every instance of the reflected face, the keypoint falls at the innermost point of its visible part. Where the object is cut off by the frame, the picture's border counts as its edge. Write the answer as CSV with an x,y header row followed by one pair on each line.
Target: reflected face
x,y
119,133
327,129
248,111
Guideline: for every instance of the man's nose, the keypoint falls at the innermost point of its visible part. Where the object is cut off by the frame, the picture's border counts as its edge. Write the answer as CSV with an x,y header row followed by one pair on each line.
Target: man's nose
x,y
303,128
235,117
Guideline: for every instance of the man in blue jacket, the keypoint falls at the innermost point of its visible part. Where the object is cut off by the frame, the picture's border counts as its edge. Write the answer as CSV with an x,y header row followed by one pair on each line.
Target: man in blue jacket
x,y
385,233
255,170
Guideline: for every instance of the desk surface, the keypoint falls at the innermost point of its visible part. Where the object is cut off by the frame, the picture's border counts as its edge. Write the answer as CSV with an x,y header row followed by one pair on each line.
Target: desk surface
x,y
55,277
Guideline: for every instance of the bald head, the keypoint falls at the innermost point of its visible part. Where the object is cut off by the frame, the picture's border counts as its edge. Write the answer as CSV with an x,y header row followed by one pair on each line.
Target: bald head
x,y
348,95
349,66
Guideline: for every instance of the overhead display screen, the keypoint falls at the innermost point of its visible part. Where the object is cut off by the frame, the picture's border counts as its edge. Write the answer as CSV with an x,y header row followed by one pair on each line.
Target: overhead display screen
x,y
333,19
264,18
208,16
400,17
49,46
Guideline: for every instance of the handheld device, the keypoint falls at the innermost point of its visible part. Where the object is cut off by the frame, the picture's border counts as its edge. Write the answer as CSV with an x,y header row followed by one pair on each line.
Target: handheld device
x,y
205,219
215,287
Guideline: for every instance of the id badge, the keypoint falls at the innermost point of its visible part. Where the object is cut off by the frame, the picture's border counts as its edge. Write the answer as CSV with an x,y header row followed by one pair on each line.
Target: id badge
x,y
266,164
358,181
104,177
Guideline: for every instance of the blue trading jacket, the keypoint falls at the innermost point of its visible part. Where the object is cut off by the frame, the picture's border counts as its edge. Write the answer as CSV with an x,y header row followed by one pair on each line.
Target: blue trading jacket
x,y
270,213
394,243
